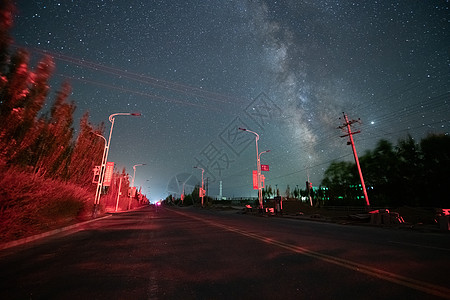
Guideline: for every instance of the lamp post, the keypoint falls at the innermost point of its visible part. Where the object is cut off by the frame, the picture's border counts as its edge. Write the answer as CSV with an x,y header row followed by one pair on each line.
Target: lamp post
x,y
102,167
182,193
134,172
260,183
258,168
203,171
105,158
132,183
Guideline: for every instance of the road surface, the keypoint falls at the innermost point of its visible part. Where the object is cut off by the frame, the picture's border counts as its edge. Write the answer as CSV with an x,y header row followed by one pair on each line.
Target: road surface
x,y
189,253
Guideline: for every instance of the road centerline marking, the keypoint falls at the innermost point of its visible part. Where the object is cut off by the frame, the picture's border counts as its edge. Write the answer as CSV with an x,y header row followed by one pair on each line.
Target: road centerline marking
x,y
425,287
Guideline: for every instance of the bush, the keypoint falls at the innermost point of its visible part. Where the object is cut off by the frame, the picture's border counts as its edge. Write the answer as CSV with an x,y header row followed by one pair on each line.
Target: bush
x,y
32,204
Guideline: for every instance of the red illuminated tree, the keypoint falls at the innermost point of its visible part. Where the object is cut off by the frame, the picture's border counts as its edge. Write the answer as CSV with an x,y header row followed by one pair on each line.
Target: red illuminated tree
x,y
87,152
14,88
54,146
24,96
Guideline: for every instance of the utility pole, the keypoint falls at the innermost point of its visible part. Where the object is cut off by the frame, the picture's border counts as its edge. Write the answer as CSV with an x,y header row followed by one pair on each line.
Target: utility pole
x,y
350,134
207,187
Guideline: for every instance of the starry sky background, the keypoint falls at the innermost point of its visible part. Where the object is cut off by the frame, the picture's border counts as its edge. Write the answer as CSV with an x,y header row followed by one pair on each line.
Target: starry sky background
x,y
198,70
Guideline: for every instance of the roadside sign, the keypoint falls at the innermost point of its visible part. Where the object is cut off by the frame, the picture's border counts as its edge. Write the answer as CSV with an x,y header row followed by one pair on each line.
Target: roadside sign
x,y
108,173
96,171
255,179
264,167
132,191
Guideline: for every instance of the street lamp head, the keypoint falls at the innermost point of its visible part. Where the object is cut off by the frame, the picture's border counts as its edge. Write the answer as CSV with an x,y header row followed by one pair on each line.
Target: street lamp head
x,y
203,170
97,134
243,129
135,114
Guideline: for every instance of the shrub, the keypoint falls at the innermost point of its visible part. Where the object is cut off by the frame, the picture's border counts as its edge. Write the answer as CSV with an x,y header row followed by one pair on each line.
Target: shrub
x,y
32,204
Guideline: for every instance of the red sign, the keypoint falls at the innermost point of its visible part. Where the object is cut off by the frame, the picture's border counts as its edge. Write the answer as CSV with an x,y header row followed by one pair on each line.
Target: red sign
x,y
132,191
108,173
264,167
255,179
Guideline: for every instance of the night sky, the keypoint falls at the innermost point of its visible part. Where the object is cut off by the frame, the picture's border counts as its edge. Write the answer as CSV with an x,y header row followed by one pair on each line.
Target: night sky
x,y
198,70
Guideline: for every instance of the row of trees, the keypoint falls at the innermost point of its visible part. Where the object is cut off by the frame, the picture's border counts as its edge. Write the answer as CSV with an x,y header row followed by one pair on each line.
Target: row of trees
x,y
296,193
189,199
410,173
41,141
36,136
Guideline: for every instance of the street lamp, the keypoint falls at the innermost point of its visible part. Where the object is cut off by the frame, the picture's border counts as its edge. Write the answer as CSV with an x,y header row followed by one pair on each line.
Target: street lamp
x,y
262,153
105,158
259,158
202,192
182,194
132,183
134,172
102,166
258,167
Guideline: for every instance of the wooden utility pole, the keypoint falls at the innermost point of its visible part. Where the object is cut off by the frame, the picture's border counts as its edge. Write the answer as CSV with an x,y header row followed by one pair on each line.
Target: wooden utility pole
x,y
350,134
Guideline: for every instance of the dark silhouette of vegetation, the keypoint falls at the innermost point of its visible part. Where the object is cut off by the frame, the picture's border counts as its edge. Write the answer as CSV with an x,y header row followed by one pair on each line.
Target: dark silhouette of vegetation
x,y
411,173
189,199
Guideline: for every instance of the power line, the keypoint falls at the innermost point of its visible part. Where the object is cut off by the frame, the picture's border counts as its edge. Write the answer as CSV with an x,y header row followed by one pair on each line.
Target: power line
x,y
158,82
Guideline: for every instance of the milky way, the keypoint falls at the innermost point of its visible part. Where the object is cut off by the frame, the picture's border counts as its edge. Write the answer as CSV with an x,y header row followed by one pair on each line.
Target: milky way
x,y
287,70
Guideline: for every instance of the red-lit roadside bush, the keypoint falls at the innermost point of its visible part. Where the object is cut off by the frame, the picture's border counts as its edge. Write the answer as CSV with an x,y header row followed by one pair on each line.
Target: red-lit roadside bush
x,y
31,204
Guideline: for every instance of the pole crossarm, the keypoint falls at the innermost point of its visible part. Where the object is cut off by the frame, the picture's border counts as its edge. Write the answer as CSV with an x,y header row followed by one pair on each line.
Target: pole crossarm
x,y
353,132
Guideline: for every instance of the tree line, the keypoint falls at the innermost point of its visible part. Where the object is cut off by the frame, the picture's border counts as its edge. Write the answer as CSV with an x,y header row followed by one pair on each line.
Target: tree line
x,y
41,141
409,173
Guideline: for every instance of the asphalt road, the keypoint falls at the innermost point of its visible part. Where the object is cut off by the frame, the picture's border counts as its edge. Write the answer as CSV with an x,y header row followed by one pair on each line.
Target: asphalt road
x,y
188,253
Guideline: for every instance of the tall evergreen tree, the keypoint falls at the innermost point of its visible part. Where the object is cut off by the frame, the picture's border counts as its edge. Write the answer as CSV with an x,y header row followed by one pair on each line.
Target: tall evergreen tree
x,y
54,145
24,97
87,152
410,168
434,183
380,170
15,89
